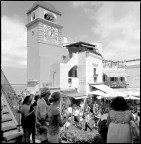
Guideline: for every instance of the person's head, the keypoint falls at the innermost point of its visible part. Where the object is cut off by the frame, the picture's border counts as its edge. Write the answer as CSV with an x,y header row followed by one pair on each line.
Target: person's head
x,y
119,104
45,93
55,97
27,100
138,113
36,97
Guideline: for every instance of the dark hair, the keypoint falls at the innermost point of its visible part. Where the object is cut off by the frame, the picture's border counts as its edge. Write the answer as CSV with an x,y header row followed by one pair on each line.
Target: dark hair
x,y
119,103
45,91
55,97
36,97
26,99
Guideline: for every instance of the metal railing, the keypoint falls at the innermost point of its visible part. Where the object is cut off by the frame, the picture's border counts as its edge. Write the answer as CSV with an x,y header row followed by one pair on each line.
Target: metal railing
x,y
10,96
116,84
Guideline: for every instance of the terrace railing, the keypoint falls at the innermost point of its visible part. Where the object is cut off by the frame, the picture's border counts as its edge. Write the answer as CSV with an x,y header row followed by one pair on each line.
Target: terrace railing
x,y
116,84
10,96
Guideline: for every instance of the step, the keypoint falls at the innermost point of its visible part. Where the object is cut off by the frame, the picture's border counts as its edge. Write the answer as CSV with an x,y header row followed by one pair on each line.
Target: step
x,y
5,108
8,123
8,128
6,119
14,136
7,133
6,115
5,112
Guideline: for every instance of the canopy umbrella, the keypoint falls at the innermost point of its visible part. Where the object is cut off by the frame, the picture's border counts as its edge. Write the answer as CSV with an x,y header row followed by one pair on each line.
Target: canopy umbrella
x,y
132,97
114,94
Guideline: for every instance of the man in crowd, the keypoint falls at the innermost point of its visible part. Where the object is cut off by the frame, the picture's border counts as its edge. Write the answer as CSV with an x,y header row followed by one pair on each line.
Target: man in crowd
x,y
41,114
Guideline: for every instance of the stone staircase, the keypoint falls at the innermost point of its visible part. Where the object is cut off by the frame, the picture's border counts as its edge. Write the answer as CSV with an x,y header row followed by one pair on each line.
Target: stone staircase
x,y
11,131
10,118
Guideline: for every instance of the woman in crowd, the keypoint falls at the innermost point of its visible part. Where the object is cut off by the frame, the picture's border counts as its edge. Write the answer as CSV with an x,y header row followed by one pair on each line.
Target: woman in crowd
x,y
41,114
118,122
102,128
33,117
25,119
54,117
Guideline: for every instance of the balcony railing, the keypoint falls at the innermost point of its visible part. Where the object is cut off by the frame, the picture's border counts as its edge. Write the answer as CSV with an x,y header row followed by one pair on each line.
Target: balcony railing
x,y
116,84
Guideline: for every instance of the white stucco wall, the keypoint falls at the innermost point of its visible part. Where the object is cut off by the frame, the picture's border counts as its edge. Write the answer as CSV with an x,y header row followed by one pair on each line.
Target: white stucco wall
x,y
63,76
92,62
82,72
33,60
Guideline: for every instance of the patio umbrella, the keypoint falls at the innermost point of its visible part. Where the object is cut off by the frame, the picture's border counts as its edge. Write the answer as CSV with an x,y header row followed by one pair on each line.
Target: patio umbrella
x,y
114,94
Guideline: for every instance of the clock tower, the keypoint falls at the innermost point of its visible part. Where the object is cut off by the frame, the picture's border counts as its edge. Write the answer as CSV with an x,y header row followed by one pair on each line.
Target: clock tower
x,y
44,41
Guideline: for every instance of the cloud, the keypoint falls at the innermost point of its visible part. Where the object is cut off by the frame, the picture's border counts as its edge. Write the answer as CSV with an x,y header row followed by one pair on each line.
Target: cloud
x,y
14,42
116,25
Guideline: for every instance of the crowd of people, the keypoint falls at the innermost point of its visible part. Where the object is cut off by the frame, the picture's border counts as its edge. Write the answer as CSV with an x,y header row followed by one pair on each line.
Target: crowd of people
x,y
44,118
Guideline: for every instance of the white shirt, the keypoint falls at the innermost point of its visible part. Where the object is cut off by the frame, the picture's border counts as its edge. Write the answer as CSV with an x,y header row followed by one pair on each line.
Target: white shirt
x,y
104,116
76,113
70,109
87,118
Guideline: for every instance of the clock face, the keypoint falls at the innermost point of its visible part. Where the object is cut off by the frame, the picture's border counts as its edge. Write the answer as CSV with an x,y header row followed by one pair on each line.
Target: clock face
x,y
50,34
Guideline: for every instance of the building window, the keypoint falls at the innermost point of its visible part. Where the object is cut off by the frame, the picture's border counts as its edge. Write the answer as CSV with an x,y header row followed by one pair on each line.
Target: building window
x,y
75,73
122,79
33,16
95,75
95,79
104,78
112,79
94,71
49,17
69,80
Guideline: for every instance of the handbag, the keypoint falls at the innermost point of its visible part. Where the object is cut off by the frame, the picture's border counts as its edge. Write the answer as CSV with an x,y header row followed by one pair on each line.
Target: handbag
x,y
135,133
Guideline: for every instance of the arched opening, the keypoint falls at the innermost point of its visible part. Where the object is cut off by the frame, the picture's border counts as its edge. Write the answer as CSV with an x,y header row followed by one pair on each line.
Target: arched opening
x,y
73,72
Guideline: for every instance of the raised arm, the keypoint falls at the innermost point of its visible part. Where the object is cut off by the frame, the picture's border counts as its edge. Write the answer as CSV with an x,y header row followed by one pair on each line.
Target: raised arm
x,y
62,122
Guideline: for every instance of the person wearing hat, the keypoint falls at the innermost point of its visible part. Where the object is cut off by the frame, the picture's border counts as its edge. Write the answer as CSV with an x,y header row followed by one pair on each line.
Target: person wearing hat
x,y
54,117
41,112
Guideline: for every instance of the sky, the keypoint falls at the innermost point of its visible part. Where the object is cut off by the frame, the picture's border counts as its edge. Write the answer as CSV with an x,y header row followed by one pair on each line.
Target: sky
x,y
115,24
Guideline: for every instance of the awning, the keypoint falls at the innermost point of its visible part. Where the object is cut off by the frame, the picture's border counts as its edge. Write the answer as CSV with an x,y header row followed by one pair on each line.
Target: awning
x,y
116,74
132,97
97,92
81,97
103,88
114,94
73,94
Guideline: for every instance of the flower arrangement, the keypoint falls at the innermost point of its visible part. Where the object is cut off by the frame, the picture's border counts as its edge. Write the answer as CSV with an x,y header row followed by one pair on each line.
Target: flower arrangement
x,y
78,136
